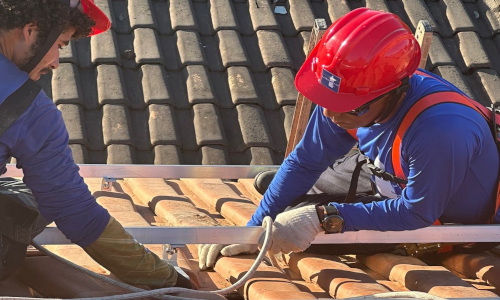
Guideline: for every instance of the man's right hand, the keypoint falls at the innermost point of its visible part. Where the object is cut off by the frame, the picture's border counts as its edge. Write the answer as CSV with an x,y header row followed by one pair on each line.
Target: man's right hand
x,y
208,253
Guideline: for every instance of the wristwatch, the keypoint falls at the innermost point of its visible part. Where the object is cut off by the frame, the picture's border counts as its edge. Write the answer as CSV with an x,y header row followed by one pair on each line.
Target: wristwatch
x,y
331,221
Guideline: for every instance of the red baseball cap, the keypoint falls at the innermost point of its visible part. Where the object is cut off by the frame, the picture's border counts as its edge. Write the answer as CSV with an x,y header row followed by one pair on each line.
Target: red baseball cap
x,y
102,22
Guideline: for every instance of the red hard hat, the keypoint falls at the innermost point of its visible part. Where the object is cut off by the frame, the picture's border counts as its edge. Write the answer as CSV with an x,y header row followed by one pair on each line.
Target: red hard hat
x,y
102,22
361,56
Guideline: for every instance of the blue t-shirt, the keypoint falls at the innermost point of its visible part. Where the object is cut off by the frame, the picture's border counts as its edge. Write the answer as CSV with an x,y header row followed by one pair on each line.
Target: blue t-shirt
x,y
39,142
448,156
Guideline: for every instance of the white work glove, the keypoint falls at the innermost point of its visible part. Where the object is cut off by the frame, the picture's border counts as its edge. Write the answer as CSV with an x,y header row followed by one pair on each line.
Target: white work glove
x,y
208,253
294,230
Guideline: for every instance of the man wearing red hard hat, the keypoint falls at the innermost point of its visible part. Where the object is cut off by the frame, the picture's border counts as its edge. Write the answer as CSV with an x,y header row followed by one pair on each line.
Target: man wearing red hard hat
x,y
442,164
33,132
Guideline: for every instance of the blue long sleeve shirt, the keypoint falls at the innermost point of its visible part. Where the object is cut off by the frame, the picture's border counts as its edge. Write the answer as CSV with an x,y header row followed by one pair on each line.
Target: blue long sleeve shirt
x,y
448,156
39,142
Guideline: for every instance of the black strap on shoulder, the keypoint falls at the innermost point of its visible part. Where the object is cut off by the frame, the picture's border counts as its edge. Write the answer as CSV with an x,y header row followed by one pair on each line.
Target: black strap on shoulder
x,y
15,105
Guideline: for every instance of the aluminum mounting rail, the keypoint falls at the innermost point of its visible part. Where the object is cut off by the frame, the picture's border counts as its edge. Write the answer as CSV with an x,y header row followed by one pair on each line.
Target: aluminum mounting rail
x,y
251,235
161,171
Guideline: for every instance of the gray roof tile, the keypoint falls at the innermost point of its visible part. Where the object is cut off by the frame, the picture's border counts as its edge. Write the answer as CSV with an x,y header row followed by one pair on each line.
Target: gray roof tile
x,y
489,10
207,125
416,11
272,47
212,49
93,122
336,9
198,85
110,85
275,120
155,85
182,15
231,49
66,86
73,117
283,85
378,5
251,43
141,129
301,14
140,14
80,153
108,54
167,155
203,17
83,53
168,45
135,94
162,17
472,50
126,50
453,75
438,55
116,125
120,154
457,16
185,121
162,125
214,155
259,156
265,90
69,54
190,48
120,22
241,85
146,46
221,89
89,88
490,81
223,16
253,126
262,15
242,14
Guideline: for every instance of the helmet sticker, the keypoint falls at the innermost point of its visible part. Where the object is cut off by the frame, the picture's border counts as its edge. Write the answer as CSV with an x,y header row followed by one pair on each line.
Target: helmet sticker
x,y
330,81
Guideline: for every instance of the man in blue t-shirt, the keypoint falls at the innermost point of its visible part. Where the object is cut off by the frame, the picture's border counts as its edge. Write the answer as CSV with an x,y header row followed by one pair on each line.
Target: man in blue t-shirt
x,y
31,34
363,77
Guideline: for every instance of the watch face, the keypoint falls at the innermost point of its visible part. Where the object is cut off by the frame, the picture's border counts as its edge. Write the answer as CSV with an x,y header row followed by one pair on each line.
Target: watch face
x,y
333,224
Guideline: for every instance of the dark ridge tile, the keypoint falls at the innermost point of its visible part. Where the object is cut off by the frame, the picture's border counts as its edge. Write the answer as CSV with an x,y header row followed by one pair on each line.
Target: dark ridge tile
x,y
472,50
146,47
251,44
185,121
111,85
45,82
232,130
242,14
69,54
457,15
140,130
162,125
272,47
208,125
275,120
288,111
179,93
190,48
89,88
66,85
241,86
489,80
104,48
198,85
265,90
116,125
221,89
253,126
489,10
282,80
301,14
223,15
253,156
126,50
378,5
83,53
337,9
438,55
182,15
231,47
120,154
93,123
203,18
140,14
97,157
80,154
121,20
214,155
453,75
262,15
168,45
144,157
416,11
212,52
155,85
135,95
167,155
453,50
295,46
162,17
73,118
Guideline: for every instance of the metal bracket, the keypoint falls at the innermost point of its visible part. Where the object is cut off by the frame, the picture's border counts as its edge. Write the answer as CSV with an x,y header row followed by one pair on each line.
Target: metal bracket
x,y
106,183
169,254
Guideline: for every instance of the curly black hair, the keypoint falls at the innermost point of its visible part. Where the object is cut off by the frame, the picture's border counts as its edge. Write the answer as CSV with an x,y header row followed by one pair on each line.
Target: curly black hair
x,y
46,14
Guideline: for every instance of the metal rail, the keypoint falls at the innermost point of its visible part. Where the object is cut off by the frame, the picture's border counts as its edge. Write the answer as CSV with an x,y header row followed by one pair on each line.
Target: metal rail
x,y
251,235
160,171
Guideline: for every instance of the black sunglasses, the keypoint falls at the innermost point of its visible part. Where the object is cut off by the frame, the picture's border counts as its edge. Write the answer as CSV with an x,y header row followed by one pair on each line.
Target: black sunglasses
x,y
363,109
